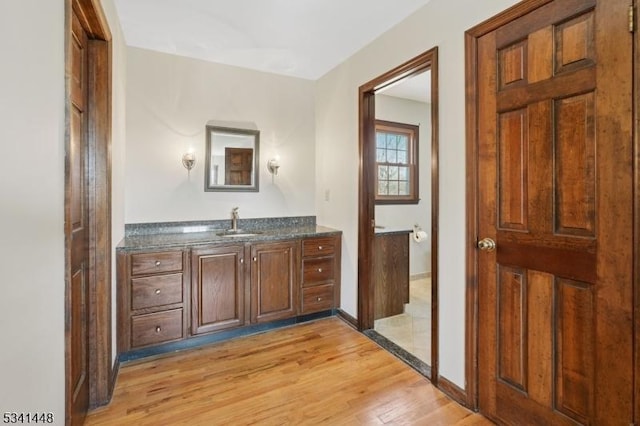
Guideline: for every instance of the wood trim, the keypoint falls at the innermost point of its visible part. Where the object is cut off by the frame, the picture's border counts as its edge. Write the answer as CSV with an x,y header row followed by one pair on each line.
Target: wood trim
x,y
636,222
453,391
100,200
93,19
366,194
505,17
352,321
95,23
435,209
366,212
471,308
471,122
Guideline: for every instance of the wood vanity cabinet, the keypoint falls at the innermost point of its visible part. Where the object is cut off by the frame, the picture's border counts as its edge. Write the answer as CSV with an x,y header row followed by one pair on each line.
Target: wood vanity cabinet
x,y
217,288
152,304
391,274
320,274
170,295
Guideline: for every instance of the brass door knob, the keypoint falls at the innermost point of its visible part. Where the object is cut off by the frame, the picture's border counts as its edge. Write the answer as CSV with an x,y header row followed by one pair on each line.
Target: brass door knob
x,y
487,244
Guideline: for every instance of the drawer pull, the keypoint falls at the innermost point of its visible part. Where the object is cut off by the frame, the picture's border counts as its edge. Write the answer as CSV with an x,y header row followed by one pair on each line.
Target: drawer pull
x,y
158,329
157,263
319,247
157,291
319,269
319,299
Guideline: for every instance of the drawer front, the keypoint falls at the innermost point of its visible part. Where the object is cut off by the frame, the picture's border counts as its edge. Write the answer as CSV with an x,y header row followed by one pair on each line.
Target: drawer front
x,y
152,263
158,290
317,270
318,298
156,328
318,246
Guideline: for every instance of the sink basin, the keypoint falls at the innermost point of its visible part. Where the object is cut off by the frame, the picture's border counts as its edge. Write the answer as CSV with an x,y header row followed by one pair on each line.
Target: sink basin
x,y
238,233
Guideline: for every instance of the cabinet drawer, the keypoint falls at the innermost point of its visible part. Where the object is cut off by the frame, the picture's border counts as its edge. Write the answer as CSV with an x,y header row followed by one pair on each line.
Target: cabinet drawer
x,y
156,328
318,246
151,263
158,290
318,298
317,270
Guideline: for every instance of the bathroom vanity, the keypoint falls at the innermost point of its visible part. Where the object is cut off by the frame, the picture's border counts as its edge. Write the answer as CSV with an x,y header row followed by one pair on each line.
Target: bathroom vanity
x,y
391,272
178,282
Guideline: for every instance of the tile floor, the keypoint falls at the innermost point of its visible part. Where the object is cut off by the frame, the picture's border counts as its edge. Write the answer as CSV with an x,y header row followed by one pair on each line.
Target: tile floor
x,y
411,330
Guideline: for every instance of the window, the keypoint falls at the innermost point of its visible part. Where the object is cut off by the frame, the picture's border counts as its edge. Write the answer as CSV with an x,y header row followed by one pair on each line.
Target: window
x,y
396,163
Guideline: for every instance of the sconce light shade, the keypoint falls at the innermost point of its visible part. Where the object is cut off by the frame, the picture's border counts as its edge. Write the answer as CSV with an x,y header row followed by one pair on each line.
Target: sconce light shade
x,y
273,165
189,160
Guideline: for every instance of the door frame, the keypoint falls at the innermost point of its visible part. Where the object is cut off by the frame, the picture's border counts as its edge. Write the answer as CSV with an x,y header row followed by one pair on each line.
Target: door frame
x,y
366,191
472,108
101,372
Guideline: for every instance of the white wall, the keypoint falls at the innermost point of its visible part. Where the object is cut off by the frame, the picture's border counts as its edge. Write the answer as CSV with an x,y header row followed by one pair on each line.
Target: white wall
x,y
32,212
405,216
118,139
440,23
169,101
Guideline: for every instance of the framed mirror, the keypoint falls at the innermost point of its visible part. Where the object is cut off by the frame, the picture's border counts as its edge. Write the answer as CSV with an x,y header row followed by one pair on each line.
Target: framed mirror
x,y
232,159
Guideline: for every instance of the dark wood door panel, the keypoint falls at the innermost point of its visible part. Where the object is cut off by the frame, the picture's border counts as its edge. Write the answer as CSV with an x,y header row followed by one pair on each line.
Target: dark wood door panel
x,y
218,289
274,280
77,232
555,194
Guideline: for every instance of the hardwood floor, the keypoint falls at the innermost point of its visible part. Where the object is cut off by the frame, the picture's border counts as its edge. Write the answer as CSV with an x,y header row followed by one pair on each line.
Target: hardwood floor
x,y
321,372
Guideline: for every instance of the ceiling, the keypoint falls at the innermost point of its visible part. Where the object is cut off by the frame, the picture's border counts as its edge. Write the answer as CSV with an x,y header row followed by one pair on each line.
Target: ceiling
x,y
416,88
298,38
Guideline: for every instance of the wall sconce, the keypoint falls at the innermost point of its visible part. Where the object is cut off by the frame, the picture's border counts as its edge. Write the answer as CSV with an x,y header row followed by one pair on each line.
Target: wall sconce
x,y
273,165
189,160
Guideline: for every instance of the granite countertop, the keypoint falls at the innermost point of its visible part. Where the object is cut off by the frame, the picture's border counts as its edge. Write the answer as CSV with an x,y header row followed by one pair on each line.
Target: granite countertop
x,y
388,231
188,234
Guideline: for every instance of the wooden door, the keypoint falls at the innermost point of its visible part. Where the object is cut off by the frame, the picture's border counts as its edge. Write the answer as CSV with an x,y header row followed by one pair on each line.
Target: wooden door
x,y
218,289
77,380
555,194
274,280
238,166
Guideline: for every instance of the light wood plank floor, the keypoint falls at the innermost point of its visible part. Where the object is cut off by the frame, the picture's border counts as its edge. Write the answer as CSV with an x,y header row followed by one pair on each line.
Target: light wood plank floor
x,y
321,372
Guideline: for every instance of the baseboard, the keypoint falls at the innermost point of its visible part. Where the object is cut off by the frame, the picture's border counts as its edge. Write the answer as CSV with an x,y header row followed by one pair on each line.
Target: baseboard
x,y
347,318
114,376
452,390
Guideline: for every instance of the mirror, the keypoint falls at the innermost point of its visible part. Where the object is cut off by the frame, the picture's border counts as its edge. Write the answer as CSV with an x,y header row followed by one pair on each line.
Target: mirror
x,y
232,157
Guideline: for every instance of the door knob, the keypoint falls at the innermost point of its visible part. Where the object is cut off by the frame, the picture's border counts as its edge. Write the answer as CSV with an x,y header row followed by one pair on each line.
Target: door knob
x,y
487,244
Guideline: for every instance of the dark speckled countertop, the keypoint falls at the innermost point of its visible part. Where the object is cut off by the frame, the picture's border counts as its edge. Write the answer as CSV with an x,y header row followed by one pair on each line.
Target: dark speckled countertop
x,y
186,234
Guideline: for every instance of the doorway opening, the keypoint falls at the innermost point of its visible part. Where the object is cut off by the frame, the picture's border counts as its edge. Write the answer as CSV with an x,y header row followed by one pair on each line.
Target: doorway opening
x,y
398,205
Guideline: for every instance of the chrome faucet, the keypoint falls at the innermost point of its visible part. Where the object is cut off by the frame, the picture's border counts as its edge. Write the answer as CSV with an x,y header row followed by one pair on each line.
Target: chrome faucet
x,y
234,219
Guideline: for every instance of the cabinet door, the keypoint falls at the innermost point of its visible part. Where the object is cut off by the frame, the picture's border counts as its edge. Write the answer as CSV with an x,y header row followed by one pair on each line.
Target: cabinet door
x,y
217,288
274,280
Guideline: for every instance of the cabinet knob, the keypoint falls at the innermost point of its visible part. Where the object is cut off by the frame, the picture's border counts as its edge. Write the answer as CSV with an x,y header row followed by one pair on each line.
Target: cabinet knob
x,y
319,247
241,260
157,291
319,269
157,263
255,259
158,329
319,299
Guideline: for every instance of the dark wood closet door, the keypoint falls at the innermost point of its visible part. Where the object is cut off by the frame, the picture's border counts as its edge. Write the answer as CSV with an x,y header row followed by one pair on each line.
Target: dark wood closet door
x,y
78,305
555,195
